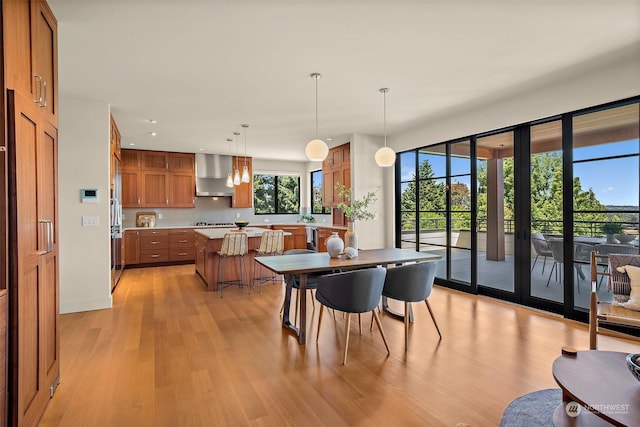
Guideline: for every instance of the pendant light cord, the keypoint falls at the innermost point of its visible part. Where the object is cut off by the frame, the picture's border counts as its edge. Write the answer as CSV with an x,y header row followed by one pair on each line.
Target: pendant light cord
x,y
245,126
316,77
384,98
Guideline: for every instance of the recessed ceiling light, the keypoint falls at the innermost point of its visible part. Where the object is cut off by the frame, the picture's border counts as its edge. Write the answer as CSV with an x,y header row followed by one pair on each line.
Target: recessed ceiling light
x,y
152,133
131,143
329,139
202,149
153,121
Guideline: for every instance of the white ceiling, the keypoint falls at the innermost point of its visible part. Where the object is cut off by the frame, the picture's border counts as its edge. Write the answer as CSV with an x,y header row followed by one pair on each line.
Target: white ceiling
x,y
201,68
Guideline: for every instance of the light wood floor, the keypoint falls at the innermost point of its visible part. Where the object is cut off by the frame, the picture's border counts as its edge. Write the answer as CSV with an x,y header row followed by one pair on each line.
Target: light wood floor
x,y
170,353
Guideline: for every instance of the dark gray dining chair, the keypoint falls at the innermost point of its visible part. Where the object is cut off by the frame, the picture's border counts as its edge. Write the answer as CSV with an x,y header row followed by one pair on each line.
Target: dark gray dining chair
x,y
411,283
356,291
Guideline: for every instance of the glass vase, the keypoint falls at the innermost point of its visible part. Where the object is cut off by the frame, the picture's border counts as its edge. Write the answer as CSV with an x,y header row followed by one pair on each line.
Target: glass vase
x,y
350,236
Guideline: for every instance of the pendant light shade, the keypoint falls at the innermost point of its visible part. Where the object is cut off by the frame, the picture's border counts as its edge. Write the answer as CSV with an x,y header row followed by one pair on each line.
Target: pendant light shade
x,y
229,182
385,156
236,175
245,169
317,149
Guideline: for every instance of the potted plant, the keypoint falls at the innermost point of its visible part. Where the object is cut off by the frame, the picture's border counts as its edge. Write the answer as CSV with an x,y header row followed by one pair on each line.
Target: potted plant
x,y
354,210
307,218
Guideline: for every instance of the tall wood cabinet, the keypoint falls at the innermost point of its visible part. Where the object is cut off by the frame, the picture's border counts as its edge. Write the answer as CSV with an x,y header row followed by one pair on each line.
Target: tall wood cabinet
x,y
336,169
30,58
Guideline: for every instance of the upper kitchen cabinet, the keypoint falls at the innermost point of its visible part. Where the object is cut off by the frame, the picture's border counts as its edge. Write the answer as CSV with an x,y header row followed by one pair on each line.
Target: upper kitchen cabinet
x,y
157,179
130,159
243,193
336,169
154,161
31,53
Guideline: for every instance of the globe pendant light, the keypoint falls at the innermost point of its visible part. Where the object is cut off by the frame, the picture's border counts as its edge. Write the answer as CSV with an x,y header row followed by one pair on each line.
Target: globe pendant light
x,y
229,182
245,169
316,149
385,156
236,175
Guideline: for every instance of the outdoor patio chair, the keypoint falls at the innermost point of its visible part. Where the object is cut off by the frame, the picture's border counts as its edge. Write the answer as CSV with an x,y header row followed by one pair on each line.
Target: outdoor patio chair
x,y
541,248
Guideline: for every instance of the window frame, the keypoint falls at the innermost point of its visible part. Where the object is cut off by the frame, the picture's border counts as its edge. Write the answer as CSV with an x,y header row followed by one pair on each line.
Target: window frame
x,y
276,176
326,210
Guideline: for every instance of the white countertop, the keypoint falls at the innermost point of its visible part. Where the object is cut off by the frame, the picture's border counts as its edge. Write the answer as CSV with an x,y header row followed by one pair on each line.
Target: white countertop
x,y
218,233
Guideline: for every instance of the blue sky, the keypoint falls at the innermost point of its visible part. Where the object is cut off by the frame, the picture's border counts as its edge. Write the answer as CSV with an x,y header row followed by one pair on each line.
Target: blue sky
x,y
614,181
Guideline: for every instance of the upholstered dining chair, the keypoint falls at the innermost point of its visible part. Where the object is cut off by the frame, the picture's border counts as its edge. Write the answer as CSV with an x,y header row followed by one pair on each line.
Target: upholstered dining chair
x,y
271,243
234,245
356,291
411,283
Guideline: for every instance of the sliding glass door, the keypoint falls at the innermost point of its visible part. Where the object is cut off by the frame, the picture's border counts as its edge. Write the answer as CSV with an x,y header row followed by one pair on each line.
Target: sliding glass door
x,y
516,213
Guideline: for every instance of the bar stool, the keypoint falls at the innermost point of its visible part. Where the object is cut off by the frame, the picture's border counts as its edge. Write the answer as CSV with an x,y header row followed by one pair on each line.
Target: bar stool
x,y
271,243
234,245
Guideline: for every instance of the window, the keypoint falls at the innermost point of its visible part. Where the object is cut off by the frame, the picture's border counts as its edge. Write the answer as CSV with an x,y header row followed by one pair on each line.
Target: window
x,y
276,194
316,194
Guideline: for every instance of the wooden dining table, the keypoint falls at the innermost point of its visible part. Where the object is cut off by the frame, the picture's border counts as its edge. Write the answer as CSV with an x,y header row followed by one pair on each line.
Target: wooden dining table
x,y
303,264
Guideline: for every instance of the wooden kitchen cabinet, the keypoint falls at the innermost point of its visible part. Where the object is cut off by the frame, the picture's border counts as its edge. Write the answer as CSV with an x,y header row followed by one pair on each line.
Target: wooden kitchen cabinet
x,y
157,179
3,357
31,53
336,169
298,238
243,193
154,160
154,188
33,294
130,160
159,245
131,247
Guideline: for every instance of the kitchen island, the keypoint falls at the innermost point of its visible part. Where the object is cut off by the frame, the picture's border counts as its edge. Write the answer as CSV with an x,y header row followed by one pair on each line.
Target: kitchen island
x,y
209,242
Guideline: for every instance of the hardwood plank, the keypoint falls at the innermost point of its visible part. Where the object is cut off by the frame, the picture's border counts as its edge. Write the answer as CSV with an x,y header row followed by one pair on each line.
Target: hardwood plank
x,y
170,353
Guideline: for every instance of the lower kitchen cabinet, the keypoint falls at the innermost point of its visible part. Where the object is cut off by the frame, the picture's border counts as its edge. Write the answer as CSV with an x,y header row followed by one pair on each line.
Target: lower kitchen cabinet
x,y
152,246
298,238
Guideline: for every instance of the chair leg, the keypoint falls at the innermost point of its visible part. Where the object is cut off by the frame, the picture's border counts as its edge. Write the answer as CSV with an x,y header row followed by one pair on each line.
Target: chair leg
x,y
544,263
553,267
295,317
360,323
319,321
347,328
221,276
384,338
406,325
534,263
433,317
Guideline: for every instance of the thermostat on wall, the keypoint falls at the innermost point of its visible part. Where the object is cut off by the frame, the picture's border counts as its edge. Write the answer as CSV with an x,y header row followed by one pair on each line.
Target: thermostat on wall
x,y
89,195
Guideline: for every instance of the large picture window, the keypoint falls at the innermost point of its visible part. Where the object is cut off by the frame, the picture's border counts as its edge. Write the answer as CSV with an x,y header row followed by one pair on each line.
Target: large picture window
x,y
276,194
316,194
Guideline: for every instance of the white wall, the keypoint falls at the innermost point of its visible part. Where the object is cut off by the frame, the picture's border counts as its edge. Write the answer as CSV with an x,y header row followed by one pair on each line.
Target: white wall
x,y
83,162
367,176
611,78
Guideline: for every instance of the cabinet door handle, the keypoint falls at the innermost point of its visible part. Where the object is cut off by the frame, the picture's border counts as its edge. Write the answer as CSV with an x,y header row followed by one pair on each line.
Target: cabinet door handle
x,y
48,225
138,201
182,241
154,256
44,89
166,201
182,254
39,81
153,243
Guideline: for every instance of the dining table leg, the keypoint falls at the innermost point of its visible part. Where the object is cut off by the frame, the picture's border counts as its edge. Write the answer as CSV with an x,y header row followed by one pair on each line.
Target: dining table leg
x,y
300,331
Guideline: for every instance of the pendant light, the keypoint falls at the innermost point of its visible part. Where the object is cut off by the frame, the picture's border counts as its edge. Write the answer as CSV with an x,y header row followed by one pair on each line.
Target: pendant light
x,y
229,182
236,175
385,156
317,149
245,169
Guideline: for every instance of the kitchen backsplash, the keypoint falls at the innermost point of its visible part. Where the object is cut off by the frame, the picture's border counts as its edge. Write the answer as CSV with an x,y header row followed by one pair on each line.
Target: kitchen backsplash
x,y
212,210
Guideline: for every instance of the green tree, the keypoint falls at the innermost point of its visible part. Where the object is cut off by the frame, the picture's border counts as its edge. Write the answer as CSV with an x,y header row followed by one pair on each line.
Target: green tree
x,y
431,198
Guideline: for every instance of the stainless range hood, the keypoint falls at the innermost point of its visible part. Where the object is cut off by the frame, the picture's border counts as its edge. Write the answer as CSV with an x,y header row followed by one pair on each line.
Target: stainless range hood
x,y
211,175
